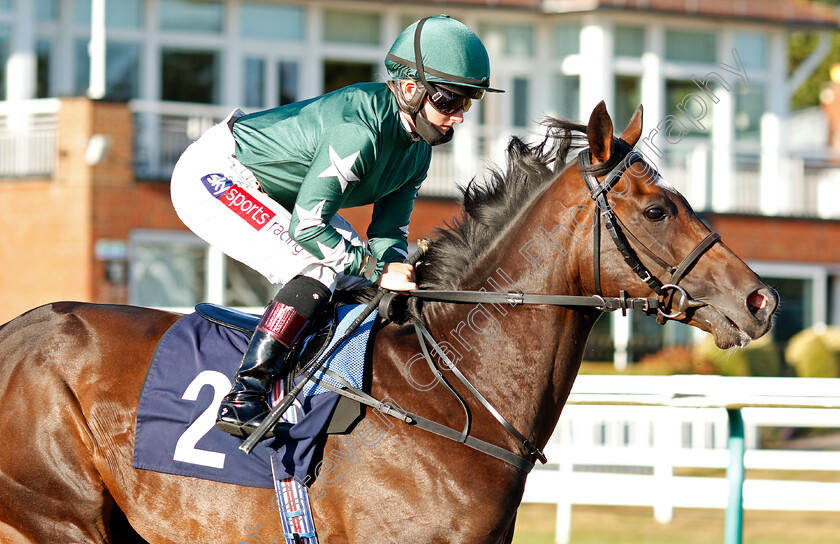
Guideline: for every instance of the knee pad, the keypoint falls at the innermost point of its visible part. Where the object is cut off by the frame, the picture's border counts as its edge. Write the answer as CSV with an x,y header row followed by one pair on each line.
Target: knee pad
x,y
306,295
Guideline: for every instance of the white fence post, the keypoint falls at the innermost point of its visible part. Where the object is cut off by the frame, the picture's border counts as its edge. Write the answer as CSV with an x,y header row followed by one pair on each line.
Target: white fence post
x,y
666,441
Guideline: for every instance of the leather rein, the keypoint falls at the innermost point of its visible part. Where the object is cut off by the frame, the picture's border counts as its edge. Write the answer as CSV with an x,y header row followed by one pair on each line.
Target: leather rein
x,y
619,233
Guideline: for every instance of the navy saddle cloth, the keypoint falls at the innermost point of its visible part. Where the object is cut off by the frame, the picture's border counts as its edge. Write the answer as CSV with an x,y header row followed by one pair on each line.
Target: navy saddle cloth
x,y
192,369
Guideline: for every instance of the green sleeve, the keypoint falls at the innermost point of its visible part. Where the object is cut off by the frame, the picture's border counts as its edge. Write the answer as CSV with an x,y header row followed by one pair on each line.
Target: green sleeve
x,y
345,153
388,230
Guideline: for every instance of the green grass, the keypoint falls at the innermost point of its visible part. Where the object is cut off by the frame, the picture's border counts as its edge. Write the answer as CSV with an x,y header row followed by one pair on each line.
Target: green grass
x,y
635,525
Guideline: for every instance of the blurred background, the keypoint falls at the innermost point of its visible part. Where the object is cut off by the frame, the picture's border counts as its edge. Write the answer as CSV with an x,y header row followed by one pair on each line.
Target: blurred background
x,y
98,98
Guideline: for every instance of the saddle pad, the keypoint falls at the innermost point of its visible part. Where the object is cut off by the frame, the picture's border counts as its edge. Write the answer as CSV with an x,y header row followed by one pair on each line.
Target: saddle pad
x,y
190,372
349,361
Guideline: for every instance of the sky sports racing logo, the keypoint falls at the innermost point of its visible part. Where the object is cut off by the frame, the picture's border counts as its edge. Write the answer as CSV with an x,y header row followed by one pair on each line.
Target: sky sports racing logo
x,y
238,200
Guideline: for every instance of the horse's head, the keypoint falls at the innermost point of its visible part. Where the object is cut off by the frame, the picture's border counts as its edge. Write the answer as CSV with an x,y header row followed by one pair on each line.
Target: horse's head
x,y
696,278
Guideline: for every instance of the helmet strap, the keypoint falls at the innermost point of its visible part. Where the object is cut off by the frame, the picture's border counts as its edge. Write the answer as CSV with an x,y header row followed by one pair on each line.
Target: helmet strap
x,y
414,108
429,132
409,105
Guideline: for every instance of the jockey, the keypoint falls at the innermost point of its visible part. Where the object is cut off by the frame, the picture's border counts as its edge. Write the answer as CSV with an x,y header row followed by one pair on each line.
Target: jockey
x,y
265,189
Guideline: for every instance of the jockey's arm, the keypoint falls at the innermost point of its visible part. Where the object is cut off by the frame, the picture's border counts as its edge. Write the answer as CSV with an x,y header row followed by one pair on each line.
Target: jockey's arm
x,y
387,237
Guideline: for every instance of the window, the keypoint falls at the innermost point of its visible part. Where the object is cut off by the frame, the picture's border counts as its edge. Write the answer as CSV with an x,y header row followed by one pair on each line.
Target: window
x,y
749,106
190,76
519,99
794,314
517,41
567,96
565,40
628,96
171,269
351,27
118,13
752,49
254,83
5,5
167,270
288,83
339,73
46,10
629,41
689,46
43,48
272,21
122,73
685,111
188,16
5,37
245,287
122,78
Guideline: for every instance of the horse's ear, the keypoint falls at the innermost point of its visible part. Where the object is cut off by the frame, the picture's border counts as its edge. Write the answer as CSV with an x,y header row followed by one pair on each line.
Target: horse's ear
x,y
633,131
600,134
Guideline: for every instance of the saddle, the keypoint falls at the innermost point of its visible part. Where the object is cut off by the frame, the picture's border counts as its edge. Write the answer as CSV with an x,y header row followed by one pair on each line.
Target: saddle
x,y
322,330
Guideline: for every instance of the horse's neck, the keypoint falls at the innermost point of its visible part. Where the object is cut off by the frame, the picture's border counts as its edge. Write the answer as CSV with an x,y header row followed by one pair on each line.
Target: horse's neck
x,y
523,359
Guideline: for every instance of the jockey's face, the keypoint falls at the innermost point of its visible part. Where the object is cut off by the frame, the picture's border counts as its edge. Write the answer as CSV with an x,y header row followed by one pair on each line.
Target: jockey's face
x,y
441,121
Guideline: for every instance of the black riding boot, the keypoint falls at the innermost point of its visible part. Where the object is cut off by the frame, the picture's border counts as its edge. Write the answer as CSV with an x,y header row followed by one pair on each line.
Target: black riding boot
x,y
246,406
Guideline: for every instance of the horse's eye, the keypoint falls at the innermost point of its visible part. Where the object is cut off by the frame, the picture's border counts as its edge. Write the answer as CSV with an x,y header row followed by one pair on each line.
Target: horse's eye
x,y
654,213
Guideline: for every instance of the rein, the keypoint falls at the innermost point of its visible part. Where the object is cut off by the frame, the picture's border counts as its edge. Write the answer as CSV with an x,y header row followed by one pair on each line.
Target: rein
x,y
620,234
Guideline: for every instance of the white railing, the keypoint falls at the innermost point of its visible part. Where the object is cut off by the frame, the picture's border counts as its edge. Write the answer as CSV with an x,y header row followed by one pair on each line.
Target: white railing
x,y
163,130
28,138
620,439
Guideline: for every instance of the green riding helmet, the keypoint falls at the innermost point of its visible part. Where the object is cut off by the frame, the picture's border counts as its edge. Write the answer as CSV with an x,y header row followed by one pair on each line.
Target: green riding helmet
x,y
450,54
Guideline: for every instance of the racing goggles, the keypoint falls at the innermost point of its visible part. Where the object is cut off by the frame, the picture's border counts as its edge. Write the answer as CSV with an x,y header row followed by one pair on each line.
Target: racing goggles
x,y
447,102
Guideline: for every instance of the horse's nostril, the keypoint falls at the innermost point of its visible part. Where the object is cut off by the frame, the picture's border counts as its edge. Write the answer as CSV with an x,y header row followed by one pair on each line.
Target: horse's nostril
x,y
761,301
756,301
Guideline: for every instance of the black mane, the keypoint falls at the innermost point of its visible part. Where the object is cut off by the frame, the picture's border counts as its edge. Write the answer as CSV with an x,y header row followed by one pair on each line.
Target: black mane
x,y
490,205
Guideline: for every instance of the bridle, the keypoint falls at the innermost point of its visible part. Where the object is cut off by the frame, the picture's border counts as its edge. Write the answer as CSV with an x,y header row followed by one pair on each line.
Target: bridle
x,y
666,291
620,233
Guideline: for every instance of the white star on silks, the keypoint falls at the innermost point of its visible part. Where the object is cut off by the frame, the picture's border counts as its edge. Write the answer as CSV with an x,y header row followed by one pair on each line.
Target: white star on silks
x,y
337,254
309,218
340,168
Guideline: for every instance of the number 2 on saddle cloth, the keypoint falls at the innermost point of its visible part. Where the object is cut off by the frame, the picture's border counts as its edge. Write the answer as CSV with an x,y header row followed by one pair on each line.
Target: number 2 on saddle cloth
x,y
192,370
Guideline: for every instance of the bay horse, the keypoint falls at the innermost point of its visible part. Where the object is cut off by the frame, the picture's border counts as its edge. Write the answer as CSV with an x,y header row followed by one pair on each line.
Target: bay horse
x,y
71,373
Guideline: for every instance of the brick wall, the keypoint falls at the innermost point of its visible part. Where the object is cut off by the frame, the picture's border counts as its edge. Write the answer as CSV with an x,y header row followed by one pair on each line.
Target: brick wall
x,y
51,226
779,239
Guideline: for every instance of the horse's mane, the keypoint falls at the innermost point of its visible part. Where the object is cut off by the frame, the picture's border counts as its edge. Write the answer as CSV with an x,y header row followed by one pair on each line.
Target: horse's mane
x,y
491,204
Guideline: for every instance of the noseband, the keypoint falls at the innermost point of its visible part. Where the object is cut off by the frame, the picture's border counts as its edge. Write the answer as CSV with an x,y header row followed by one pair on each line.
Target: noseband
x,y
619,233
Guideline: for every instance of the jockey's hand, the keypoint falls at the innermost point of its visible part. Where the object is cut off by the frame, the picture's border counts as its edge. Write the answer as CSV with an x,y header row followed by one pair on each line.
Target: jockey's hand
x,y
397,277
